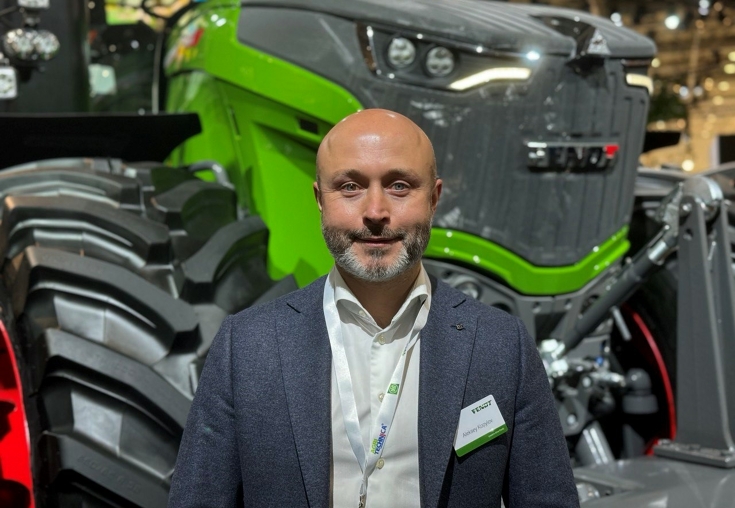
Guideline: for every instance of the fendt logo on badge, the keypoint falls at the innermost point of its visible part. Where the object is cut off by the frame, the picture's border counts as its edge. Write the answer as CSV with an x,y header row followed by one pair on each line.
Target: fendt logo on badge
x,y
482,406
563,156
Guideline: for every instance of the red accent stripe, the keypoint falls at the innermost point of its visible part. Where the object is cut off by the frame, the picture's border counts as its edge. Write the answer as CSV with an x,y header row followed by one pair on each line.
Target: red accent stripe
x,y
611,150
669,391
15,451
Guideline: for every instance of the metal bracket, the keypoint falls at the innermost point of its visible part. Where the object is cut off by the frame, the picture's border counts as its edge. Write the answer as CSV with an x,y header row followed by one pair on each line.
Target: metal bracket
x,y
705,339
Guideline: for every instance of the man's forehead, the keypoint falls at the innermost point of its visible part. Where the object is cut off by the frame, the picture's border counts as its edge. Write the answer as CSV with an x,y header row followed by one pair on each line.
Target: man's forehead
x,y
377,138
362,144
373,156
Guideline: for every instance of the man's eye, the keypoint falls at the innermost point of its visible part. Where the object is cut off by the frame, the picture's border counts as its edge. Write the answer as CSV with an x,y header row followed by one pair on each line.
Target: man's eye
x,y
350,187
400,186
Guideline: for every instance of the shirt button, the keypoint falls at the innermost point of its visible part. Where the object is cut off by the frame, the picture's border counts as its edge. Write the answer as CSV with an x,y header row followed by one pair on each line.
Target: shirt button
x,y
381,339
362,313
380,463
380,397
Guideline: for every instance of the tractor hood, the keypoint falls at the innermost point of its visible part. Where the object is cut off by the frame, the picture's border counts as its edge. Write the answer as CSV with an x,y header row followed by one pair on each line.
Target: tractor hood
x,y
497,25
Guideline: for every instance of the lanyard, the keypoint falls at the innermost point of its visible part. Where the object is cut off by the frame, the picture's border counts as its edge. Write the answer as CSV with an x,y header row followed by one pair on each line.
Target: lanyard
x,y
379,434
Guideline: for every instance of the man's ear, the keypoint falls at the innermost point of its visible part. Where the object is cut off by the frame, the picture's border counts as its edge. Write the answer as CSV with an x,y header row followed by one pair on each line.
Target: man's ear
x,y
436,193
318,195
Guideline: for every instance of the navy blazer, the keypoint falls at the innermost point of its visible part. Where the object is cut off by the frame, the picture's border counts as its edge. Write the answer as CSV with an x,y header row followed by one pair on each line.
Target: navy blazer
x,y
259,430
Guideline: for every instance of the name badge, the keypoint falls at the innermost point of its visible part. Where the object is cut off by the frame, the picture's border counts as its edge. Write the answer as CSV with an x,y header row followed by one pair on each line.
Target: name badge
x,y
479,423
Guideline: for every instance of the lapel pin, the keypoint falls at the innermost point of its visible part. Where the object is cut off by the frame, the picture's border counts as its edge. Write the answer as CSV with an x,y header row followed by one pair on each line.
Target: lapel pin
x,y
459,326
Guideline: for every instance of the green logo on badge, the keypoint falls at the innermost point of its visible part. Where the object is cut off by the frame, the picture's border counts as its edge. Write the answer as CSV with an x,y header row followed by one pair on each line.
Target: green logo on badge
x,y
393,388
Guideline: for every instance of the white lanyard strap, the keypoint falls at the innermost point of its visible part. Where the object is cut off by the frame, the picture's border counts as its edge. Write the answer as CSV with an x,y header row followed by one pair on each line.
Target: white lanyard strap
x,y
379,434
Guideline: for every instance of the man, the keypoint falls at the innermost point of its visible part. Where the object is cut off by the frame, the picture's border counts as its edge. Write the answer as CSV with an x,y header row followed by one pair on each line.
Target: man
x,y
349,391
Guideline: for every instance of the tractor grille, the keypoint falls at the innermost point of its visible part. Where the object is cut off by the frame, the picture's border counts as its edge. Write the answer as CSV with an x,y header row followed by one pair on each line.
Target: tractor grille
x,y
549,218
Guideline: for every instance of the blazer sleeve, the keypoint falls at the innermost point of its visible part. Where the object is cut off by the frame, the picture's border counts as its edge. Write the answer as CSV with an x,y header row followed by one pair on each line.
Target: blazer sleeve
x,y
207,472
539,473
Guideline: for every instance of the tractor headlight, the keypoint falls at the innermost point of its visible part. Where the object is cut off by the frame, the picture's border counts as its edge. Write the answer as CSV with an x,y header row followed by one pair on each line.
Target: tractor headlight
x,y
19,43
401,52
33,4
46,44
8,83
439,62
418,59
30,45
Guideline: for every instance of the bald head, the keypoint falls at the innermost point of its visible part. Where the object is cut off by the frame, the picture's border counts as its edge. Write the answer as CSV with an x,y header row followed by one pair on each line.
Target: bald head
x,y
375,133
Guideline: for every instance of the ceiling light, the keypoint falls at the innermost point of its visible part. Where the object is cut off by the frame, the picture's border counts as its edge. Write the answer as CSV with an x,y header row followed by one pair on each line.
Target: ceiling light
x,y
731,56
698,91
533,55
684,92
656,63
723,86
688,165
709,84
616,18
717,100
495,74
730,68
672,22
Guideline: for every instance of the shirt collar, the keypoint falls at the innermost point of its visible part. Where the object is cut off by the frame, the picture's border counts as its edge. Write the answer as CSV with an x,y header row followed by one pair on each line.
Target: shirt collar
x,y
421,291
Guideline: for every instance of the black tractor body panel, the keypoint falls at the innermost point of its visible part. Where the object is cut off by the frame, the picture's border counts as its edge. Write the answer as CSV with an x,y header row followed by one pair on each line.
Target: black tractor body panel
x,y
500,25
127,136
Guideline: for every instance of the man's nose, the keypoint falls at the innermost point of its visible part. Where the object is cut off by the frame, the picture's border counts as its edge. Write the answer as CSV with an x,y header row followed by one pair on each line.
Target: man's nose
x,y
377,209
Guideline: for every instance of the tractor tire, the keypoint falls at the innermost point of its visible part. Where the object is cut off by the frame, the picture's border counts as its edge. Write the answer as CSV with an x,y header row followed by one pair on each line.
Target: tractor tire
x,y
115,280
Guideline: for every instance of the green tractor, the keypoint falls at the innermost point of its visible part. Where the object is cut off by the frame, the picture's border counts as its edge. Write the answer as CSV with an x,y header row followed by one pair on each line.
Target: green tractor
x,y
118,274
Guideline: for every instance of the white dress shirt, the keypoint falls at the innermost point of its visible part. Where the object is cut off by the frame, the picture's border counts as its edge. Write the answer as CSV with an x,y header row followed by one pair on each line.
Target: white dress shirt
x,y
372,355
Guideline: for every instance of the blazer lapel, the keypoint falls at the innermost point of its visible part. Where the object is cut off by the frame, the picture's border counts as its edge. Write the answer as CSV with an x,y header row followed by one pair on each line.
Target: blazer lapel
x,y
446,349
306,361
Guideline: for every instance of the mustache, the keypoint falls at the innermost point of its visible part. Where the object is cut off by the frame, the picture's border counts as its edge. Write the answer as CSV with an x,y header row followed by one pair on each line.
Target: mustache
x,y
383,234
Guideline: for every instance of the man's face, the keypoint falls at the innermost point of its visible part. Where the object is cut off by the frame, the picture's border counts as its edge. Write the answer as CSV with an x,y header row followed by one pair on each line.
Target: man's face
x,y
377,195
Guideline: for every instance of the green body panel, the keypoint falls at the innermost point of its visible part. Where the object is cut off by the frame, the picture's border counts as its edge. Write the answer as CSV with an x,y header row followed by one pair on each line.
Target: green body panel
x,y
199,92
251,104
519,273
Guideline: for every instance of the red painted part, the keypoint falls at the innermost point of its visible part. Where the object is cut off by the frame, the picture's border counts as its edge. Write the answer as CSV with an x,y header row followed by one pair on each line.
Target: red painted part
x,y
611,150
668,390
16,480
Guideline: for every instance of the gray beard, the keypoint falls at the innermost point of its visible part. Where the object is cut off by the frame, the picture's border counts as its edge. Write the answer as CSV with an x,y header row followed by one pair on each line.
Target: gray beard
x,y
340,243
